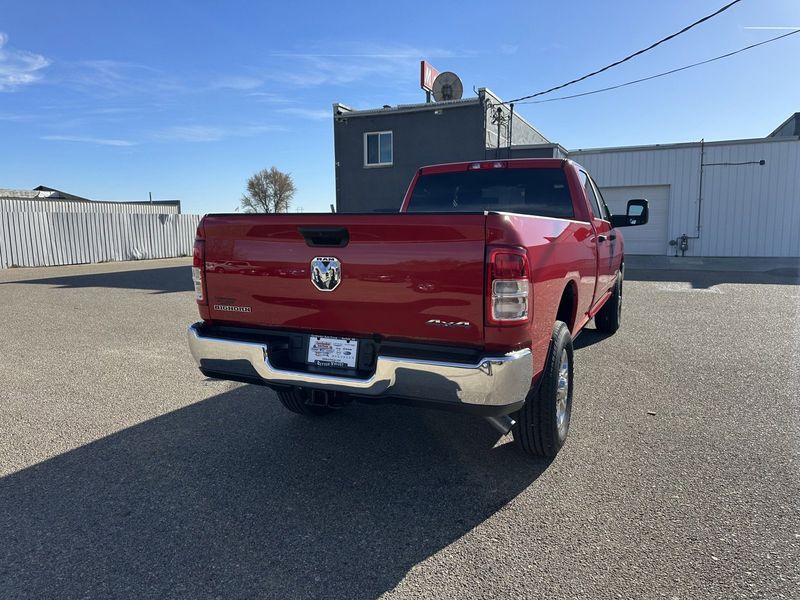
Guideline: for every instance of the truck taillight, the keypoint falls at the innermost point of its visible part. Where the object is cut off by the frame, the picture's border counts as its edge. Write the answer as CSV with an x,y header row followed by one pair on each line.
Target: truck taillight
x,y
198,271
508,287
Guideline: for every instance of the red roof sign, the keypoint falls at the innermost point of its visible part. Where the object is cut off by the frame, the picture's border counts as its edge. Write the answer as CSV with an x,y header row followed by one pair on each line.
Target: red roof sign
x,y
427,75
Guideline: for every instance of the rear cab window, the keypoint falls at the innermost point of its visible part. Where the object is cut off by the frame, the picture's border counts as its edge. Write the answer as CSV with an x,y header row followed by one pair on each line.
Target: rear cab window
x,y
536,191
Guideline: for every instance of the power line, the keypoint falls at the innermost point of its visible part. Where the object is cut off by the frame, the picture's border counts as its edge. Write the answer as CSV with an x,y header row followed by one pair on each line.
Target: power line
x,y
670,72
630,56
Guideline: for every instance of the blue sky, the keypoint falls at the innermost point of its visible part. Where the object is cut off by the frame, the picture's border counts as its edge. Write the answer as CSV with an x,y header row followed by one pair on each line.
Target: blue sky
x,y
112,100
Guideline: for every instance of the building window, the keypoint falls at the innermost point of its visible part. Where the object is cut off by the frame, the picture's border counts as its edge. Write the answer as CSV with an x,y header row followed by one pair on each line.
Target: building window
x,y
378,149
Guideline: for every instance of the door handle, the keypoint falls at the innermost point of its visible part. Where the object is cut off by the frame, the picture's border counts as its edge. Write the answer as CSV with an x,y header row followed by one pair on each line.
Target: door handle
x,y
612,236
601,239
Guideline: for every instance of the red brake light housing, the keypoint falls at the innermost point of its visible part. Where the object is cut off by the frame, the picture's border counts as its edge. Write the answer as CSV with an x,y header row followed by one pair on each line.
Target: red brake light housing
x,y
507,287
199,268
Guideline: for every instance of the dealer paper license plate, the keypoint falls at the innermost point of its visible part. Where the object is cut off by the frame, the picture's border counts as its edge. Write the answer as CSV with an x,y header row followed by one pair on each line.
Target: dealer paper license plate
x,y
332,352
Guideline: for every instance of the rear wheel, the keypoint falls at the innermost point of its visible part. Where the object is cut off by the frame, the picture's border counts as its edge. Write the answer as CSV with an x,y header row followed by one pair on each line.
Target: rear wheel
x,y
542,423
609,317
298,401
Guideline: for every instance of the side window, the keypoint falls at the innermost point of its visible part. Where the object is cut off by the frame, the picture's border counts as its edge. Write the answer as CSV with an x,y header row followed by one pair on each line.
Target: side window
x,y
378,149
589,189
601,201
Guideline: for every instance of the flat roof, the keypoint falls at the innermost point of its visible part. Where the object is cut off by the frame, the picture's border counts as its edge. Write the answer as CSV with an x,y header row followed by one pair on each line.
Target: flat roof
x,y
771,140
536,146
342,110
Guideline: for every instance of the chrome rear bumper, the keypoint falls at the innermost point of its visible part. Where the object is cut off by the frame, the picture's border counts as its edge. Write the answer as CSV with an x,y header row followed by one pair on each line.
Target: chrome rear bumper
x,y
491,381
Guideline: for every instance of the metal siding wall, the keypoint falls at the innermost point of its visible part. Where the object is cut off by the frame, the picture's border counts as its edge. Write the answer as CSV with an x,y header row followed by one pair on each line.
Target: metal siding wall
x,y
38,239
61,206
751,210
748,210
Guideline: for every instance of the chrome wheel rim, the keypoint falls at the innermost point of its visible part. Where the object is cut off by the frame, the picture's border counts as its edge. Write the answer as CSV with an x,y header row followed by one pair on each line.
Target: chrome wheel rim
x,y
562,395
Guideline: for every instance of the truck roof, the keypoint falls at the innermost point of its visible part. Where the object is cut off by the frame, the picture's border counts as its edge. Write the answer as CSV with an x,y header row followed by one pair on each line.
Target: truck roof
x,y
531,163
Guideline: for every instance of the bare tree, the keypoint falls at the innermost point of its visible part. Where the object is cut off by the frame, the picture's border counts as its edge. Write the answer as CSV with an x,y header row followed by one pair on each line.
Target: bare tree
x,y
268,191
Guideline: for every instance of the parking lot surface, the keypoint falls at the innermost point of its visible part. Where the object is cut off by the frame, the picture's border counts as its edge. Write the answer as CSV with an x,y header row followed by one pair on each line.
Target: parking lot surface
x,y
125,473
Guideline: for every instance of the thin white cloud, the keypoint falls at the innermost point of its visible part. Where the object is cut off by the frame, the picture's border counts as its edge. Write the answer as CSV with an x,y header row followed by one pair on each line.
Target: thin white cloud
x,y
108,79
413,54
315,114
17,67
350,63
269,97
17,117
113,79
509,49
191,133
89,140
209,133
236,83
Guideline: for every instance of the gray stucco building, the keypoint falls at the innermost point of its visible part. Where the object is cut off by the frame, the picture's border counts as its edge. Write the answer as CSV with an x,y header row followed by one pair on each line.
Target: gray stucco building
x,y
378,151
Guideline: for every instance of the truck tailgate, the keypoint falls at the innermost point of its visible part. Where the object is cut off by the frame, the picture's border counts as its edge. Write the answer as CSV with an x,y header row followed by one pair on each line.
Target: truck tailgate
x,y
403,276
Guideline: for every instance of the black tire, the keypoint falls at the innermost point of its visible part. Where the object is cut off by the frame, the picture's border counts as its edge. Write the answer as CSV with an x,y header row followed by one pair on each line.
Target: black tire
x,y
609,317
537,431
295,399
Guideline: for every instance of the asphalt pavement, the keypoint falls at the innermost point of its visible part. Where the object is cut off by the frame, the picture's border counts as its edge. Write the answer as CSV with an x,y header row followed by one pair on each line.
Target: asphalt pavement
x,y
124,473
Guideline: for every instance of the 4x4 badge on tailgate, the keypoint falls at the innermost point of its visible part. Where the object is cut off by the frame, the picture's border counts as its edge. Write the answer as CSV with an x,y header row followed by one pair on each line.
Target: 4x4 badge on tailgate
x,y
326,273
440,323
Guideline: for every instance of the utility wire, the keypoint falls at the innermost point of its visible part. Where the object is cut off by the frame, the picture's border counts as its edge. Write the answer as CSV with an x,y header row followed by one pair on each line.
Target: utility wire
x,y
630,56
670,72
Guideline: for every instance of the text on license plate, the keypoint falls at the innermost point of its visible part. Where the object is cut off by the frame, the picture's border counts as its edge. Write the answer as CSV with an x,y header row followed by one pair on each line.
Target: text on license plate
x,y
332,352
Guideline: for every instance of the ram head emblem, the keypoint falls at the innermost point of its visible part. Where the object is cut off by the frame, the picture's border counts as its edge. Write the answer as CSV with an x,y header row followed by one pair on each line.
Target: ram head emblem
x,y
326,273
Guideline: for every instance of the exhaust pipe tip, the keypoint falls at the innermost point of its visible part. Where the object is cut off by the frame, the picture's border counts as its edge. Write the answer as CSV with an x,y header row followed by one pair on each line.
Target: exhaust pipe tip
x,y
502,424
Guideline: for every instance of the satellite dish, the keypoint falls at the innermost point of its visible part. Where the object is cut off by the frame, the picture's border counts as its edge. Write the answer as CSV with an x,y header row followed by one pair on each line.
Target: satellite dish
x,y
447,86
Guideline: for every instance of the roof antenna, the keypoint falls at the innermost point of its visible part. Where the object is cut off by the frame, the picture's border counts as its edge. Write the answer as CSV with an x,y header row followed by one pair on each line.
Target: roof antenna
x,y
510,128
499,119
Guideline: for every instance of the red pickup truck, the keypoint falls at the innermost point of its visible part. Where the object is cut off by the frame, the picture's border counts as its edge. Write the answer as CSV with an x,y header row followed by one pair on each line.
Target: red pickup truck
x,y
467,299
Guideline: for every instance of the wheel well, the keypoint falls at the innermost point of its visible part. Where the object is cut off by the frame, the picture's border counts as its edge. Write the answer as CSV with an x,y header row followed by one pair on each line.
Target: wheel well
x,y
566,307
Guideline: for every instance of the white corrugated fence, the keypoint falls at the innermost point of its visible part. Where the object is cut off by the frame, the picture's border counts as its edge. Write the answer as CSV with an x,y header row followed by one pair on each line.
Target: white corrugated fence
x,y
39,239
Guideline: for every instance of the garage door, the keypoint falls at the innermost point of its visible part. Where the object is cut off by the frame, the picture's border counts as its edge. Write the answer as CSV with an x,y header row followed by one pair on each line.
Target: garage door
x,y
646,239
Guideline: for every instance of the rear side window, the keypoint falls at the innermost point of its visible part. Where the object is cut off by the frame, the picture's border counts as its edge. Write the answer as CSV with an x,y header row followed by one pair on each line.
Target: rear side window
x,y
597,210
541,192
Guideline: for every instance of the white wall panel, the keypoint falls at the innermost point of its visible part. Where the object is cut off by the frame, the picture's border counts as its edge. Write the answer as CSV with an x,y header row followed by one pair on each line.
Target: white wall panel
x,y
38,239
747,210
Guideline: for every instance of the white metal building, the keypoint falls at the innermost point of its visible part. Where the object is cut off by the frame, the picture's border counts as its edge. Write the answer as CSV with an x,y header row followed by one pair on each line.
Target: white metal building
x,y
44,199
744,208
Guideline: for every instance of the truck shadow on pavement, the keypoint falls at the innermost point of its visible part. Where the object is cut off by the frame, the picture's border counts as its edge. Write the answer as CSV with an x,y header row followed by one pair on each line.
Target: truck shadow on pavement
x,y
235,497
589,337
161,281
